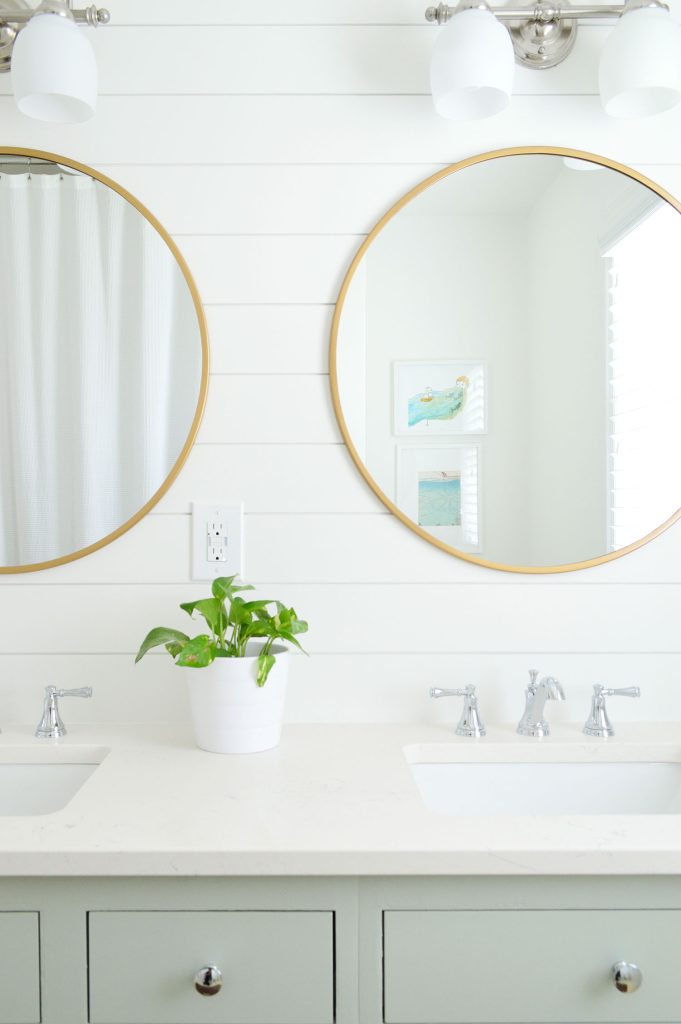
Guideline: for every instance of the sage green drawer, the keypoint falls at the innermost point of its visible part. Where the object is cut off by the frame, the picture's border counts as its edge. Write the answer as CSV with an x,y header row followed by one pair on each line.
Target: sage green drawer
x,y
19,967
446,967
277,967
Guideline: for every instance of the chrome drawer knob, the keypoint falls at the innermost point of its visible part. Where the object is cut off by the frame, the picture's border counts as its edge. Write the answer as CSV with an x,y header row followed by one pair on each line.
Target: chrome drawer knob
x,y
627,977
208,980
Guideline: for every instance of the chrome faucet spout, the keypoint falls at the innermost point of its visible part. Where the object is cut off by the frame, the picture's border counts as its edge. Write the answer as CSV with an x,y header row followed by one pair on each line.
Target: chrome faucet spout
x,y
533,722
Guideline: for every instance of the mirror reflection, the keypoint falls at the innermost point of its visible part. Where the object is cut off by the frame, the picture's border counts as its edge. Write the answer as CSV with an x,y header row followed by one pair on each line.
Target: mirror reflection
x,y
507,360
101,356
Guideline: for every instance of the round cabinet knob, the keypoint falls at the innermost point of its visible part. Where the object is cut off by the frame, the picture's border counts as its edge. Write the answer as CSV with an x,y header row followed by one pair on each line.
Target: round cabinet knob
x,y
626,977
208,980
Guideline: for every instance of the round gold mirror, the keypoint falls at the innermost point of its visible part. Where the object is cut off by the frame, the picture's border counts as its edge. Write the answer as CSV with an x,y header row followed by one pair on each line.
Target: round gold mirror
x,y
103,360
505,358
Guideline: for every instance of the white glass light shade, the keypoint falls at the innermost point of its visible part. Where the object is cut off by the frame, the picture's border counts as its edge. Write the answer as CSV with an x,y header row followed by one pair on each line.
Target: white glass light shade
x,y
640,71
54,72
471,70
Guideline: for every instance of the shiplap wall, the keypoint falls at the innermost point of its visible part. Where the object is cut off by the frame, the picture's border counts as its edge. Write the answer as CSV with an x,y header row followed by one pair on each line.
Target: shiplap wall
x,y
268,137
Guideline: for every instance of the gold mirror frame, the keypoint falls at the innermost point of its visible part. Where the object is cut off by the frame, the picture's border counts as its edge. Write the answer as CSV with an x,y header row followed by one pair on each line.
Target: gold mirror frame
x,y
333,351
203,388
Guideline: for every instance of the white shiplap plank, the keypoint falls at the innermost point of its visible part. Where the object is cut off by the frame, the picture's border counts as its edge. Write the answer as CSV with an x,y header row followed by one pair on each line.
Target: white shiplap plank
x,y
269,268
394,618
273,478
283,199
273,12
256,199
265,409
348,687
269,339
332,59
343,549
334,129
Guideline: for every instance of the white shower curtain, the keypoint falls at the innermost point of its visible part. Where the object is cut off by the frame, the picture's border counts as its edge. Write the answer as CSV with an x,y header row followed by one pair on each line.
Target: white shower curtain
x,y
99,364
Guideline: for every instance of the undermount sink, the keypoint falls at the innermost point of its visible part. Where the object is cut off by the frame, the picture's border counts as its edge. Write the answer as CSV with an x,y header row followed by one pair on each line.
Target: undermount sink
x,y
34,781
493,787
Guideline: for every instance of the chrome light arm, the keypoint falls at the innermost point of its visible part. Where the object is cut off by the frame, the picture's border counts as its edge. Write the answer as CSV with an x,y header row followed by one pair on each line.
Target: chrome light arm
x,y
470,723
51,725
542,33
598,724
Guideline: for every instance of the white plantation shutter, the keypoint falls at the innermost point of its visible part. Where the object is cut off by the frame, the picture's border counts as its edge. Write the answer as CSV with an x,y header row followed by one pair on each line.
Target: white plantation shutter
x,y
644,376
470,501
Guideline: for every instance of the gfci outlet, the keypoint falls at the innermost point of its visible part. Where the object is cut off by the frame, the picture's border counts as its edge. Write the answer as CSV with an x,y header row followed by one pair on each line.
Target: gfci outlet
x,y
217,539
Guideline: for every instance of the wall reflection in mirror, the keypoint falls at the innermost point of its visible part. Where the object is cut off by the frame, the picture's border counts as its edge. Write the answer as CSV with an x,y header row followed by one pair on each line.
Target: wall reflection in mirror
x,y
508,360
101,356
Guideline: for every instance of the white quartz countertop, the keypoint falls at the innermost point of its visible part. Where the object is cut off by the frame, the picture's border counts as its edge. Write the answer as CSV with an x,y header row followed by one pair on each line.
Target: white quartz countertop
x,y
331,800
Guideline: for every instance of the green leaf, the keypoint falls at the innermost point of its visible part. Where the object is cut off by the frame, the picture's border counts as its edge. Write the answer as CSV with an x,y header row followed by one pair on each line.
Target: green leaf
x,y
158,636
198,653
239,614
174,648
285,635
265,663
220,652
222,587
212,611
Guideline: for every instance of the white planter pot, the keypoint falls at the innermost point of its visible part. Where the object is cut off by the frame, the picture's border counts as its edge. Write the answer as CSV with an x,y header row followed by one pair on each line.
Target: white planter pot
x,y
231,713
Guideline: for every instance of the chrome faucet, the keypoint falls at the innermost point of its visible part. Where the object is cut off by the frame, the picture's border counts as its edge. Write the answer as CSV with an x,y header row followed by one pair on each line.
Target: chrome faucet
x,y
598,723
51,726
470,723
533,722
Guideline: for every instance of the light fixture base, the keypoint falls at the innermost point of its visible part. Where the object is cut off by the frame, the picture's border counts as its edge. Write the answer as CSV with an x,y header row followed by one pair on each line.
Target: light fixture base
x,y
544,40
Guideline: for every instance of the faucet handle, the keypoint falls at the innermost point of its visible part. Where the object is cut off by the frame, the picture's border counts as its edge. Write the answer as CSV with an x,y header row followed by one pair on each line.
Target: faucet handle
x,y
470,723
626,691
534,675
51,725
598,724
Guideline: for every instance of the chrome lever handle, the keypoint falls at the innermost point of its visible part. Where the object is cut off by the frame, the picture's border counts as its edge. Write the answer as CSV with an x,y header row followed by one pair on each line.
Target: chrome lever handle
x,y
470,723
51,725
598,723
80,691
626,691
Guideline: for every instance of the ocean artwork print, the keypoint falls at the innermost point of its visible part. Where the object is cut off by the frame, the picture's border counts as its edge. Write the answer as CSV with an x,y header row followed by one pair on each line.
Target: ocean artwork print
x,y
438,405
439,498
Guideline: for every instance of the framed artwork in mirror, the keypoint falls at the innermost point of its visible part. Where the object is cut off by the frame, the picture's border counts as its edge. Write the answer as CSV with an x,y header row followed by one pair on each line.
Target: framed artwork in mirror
x,y
439,398
438,486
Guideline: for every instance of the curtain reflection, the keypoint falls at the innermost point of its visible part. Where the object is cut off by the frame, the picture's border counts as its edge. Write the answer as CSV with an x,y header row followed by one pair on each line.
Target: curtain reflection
x,y
99,364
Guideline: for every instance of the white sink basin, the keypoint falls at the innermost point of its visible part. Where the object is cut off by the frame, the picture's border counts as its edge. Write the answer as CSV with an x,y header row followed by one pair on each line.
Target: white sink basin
x,y
491,788
34,781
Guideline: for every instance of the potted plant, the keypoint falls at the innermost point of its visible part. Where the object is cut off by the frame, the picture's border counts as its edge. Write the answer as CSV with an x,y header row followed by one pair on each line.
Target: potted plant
x,y
238,702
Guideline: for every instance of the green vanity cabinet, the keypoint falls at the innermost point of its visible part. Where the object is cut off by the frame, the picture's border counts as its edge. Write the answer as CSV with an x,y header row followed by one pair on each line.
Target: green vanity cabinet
x,y
276,967
19,967
401,950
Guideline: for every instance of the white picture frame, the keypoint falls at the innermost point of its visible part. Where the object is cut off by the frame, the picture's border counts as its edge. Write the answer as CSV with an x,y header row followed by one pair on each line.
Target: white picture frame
x,y
421,386
426,487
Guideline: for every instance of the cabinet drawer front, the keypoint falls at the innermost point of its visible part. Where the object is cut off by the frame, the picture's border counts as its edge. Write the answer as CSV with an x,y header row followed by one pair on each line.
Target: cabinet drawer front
x,y
19,968
446,967
277,967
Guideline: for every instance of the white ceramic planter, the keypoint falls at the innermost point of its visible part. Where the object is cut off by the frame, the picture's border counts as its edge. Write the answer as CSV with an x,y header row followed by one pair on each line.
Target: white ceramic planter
x,y
231,713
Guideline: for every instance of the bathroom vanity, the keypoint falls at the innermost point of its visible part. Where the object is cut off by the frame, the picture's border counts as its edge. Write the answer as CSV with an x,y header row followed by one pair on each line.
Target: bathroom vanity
x,y
322,889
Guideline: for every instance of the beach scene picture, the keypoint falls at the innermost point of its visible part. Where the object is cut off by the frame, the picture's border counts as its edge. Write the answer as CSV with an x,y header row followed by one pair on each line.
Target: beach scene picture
x,y
434,399
430,405
439,498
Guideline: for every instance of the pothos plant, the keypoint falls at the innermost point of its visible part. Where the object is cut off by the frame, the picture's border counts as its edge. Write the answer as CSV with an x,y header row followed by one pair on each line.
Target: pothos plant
x,y
232,623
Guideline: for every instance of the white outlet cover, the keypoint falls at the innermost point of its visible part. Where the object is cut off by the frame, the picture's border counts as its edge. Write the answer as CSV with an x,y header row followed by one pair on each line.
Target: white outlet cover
x,y
230,514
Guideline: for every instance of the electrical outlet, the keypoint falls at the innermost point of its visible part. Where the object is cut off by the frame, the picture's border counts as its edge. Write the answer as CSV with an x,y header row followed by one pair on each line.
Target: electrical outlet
x,y
217,539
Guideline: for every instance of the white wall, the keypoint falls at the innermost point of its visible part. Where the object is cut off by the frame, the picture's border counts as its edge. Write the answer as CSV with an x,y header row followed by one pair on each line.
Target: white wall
x,y
268,138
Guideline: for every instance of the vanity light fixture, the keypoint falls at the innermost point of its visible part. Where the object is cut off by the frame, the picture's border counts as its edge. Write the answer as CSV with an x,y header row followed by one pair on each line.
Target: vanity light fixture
x,y
54,72
472,63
